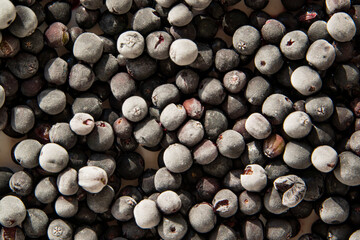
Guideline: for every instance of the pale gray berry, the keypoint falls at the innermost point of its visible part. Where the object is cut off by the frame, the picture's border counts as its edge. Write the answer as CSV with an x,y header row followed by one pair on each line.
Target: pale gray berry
x,y
12,211
172,116
225,203
306,80
66,207
25,22
183,52
100,202
258,126
254,178
177,158
53,158
82,123
67,182
341,27
324,158
27,153
146,214
122,208
206,222
134,108
92,179
297,124
131,44
180,15
168,202
59,230
7,13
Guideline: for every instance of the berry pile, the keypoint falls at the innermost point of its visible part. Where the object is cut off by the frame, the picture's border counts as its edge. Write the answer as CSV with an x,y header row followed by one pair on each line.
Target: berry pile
x,y
243,154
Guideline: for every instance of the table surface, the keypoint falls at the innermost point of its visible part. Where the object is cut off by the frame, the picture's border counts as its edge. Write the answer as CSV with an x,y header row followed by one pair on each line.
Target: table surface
x,y
273,8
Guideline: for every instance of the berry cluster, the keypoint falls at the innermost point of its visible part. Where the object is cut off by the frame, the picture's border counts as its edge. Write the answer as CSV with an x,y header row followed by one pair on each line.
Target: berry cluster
x,y
243,152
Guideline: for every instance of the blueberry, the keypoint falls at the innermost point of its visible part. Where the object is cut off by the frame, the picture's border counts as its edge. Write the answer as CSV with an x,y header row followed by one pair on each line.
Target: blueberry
x,y
233,20
188,31
211,91
51,162
276,107
10,45
168,202
112,24
315,184
297,124
33,43
56,71
297,155
164,95
193,108
204,58
25,22
59,229
61,134
246,40
131,44
254,178
324,158
66,207
253,229
57,35
85,42
35,223
258,18
191,133
292,5
257,90
334,186
253,154
148,133
223,232
84,232
234,81
226,60
158,44
172,116
145,20
46,190
250,203
257,4
319,107
166,180
225,203
273,202
130,165
86,18
219,167
334,210
27,152
67,182
258,126
146,214
342,118
183,52
202,217
92,179
82,123
294,45
8,14
117,7
354,142
134,108
122,208
321,54
293,188
318,30
179,15
57,11
341,27
277,228
231,144
268,59
177,158
206,27
100,202
347,168
205,152
207,187
273,31
81,77
52,101
23,65
12,211
21,183
172,227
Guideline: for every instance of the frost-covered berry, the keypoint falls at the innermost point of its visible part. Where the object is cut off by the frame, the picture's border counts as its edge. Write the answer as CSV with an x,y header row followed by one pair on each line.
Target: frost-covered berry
x,y
12,211
183,52
306,80
173,116
297,124
92,179
324,158
268,59
202,217
131,44
122,209
82,124
341,27
27,153
293,188
231,144
58,229
321,54
7,13
246,40
67,182
180,15
254,178
225,203
258,126
168,202
134,108
146,214
53,158
177,158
